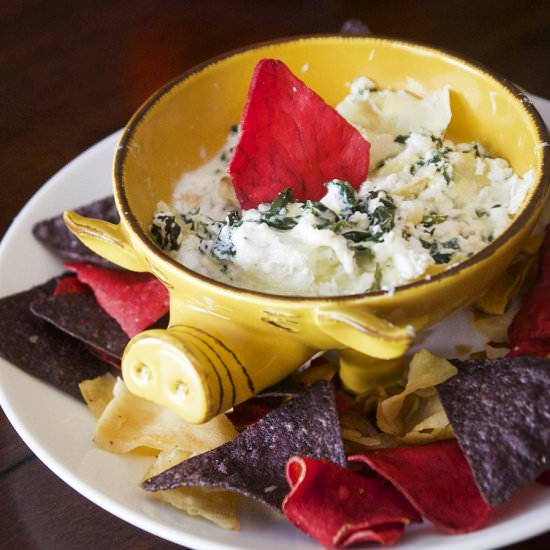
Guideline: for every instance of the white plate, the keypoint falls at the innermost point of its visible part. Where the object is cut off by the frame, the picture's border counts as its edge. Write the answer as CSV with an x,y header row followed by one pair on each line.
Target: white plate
x,y
59,430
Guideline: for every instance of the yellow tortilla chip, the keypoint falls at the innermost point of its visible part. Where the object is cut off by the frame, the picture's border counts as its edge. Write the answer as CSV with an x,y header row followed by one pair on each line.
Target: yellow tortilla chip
x,y
494,327
129,422
433,428
358,423
499,296
98,392
423,420
427,436
463,349
433,422
532,245
495,352
416,402
368,402
217,506
420,406
321,369
427,423
355,442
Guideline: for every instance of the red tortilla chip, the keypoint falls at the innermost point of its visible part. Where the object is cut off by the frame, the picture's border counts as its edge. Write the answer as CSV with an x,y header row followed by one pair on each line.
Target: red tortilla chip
x,y
529,332
338,507
437,481
134,300
540,348
105,357
344,403
291,138
245,414
71,285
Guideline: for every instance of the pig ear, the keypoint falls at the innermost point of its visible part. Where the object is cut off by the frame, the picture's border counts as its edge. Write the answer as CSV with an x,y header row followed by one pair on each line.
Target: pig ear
x,y
106,239
365,332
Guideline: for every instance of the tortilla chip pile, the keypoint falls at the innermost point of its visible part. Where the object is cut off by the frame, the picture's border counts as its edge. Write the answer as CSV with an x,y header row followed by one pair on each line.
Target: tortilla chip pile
x,y
134,300
254,463
446,442
519,326
73,328
127,423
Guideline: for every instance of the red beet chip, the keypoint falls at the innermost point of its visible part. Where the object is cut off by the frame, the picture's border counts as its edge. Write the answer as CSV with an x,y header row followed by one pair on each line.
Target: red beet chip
x,y
134,300
344,403
529,332
249,412
535,347
437,481
291,138
105,357
71,285
338,507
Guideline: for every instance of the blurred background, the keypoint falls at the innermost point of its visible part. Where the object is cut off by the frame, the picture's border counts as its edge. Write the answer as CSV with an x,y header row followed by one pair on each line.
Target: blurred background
x,y
72,72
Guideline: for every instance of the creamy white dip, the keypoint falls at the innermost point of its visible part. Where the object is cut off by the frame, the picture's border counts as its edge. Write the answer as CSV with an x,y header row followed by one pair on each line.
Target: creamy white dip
x,y
427,204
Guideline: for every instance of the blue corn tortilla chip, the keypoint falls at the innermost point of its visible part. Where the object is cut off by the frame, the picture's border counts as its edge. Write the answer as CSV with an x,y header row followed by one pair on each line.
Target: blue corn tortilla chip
x,y
354,27
80,316
500,413
53,233
254,463
40,349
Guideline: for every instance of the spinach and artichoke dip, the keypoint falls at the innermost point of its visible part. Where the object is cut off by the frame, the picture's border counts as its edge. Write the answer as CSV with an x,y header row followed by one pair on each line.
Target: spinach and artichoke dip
x,y
428,203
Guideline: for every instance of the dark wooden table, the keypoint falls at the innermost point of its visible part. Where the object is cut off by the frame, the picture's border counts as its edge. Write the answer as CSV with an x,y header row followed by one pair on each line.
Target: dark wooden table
x,y
73,72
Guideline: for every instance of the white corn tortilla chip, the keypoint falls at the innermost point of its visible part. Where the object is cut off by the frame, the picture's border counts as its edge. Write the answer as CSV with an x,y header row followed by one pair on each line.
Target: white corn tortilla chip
x,y
494,327
396,413
217,506
130,422
98,392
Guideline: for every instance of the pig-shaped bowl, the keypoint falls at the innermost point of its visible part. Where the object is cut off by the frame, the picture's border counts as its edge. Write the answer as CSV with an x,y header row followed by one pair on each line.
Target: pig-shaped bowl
x,y
225,344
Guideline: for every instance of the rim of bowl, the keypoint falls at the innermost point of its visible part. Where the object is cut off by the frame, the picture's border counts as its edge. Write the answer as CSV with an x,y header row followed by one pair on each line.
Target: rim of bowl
x,y
541,183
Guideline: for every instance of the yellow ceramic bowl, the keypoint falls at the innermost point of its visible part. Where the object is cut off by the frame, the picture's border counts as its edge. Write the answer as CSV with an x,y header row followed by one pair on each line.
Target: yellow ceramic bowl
x,y
225,344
